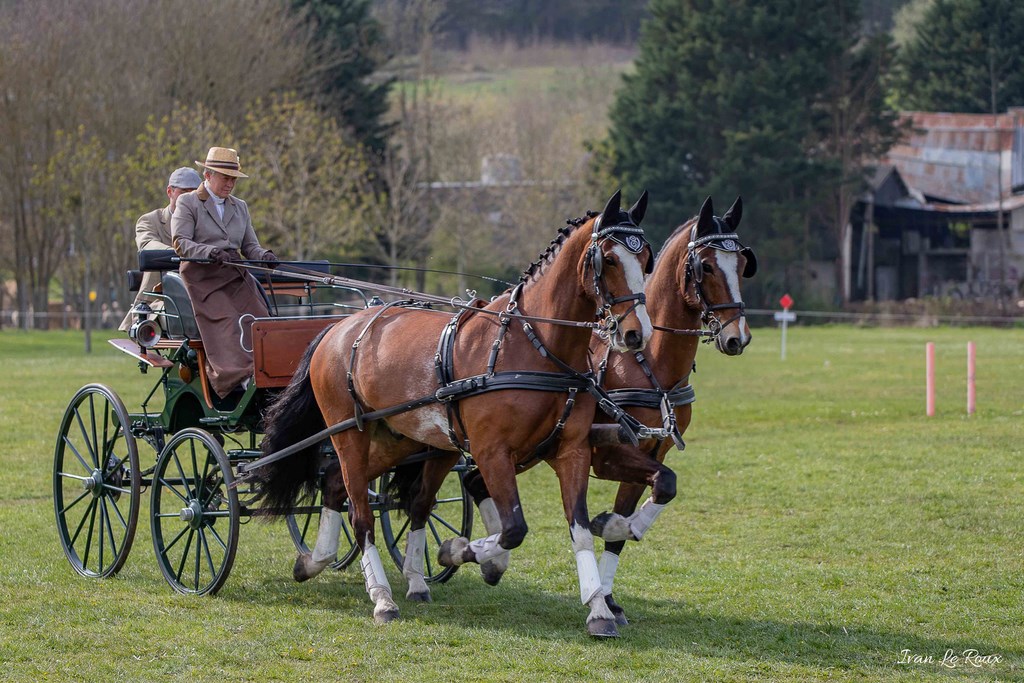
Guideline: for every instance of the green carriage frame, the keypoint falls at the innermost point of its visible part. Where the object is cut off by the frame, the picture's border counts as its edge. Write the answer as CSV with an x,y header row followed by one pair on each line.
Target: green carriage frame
x,y
202,445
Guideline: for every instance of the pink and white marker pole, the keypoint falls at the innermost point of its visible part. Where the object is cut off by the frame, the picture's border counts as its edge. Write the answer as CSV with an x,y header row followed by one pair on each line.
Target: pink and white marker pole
x,y
971,393
929,379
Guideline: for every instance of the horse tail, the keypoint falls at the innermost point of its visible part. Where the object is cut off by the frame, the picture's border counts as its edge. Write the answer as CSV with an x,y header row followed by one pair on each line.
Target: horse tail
x,y
293,416
405,483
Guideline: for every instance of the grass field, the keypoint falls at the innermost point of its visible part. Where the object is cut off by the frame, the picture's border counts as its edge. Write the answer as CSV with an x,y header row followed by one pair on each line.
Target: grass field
x,y
825,529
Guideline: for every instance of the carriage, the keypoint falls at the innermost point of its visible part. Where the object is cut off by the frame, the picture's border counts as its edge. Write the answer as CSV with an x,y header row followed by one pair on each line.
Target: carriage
x,y
202,443
517,411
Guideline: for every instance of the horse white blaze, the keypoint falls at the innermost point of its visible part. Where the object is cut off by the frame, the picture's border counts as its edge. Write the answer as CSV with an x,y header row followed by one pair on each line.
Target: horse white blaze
x,y
635,281
728,263
586,563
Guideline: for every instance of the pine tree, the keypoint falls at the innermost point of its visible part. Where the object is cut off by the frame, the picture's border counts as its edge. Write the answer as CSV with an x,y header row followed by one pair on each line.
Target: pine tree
x,y
966,56
736,97
352,43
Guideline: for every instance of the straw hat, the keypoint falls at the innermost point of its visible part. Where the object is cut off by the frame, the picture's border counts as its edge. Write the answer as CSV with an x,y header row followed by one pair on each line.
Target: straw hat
x,y
223,160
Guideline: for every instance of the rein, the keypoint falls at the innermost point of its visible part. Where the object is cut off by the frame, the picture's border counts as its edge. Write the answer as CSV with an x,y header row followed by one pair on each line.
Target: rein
x,y
451,390
411,296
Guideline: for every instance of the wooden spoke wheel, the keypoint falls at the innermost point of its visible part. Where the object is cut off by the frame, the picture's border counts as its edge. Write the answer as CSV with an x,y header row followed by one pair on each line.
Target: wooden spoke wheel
x,y
194,513
96,482
452,515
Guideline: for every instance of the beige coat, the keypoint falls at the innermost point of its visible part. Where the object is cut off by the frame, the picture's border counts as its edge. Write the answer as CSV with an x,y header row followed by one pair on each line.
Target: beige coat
x,y
220,294
152,231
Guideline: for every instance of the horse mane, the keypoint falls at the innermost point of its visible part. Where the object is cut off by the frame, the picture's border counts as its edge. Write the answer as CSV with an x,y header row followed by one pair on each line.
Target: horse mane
x,y
556,244
685,225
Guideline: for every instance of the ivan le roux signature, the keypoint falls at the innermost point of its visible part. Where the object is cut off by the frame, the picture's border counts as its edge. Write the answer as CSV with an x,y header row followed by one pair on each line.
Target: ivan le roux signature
x,y
950,660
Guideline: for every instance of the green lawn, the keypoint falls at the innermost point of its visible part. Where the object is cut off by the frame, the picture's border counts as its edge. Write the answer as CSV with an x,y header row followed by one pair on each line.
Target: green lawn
x,y
823,527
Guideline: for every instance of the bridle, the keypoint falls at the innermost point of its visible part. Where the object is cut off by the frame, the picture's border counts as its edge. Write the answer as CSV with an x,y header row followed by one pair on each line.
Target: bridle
x,y
719,241
631,237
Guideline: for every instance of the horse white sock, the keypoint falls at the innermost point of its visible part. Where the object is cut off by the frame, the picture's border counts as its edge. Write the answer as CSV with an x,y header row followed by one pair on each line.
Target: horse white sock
x,y
607,567
492,523
489,513
586,563
373,572
326,549
485,549
415,548
642,519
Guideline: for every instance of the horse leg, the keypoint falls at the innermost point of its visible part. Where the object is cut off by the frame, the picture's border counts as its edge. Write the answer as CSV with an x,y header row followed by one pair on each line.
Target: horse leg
x,y
573,469
493,569
632,468
353,447
434,472
625,505
639,470
308,565
499,474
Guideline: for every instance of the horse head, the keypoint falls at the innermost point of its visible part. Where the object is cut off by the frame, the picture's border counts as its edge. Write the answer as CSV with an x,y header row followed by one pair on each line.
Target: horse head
x,y
613,271
716,263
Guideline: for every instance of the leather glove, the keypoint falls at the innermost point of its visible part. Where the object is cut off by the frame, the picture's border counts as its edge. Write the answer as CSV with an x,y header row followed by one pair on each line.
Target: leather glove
x,y
224,257
271,260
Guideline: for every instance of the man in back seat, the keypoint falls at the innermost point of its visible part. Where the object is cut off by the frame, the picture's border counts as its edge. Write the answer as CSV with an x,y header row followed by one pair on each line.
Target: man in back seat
x,y
211,224
153,231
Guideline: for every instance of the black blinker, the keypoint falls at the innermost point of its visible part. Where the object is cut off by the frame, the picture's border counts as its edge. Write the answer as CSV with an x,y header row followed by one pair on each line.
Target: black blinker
x,y
697,267
750,269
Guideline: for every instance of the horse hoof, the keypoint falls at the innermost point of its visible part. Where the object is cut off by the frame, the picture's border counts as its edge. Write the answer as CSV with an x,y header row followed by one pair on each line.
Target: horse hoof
x,y
492,574
305,568
602,628
419,597
598,523
450,552
384,616
617,610
620,614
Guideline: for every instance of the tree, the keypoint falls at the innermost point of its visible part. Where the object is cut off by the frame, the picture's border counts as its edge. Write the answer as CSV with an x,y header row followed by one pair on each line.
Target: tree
x,y
304,190
165,143
857,125
736,97
965,56
79,194
351,42
107,66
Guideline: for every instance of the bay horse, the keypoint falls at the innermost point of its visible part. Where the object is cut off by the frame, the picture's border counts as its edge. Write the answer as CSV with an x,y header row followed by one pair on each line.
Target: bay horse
x,y
531,342
695,283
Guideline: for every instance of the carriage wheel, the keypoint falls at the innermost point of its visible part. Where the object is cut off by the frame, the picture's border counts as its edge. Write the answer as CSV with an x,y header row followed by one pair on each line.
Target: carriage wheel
x,y
303,526
194,513
452,514
96,482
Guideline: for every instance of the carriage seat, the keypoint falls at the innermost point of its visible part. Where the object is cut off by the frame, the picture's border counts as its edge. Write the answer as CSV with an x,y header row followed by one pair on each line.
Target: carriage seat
x,y
180,305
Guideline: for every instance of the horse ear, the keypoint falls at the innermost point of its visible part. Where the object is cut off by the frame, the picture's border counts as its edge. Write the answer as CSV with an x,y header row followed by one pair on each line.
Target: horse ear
x,y
706,218
734,214
637,211
611,209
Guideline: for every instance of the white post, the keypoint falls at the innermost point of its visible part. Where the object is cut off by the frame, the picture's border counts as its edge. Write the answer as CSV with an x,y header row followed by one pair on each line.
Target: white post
x,y
971,394
784,324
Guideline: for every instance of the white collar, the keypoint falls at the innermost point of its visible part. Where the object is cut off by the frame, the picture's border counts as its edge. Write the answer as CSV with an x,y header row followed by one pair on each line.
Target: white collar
x,y
216,199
